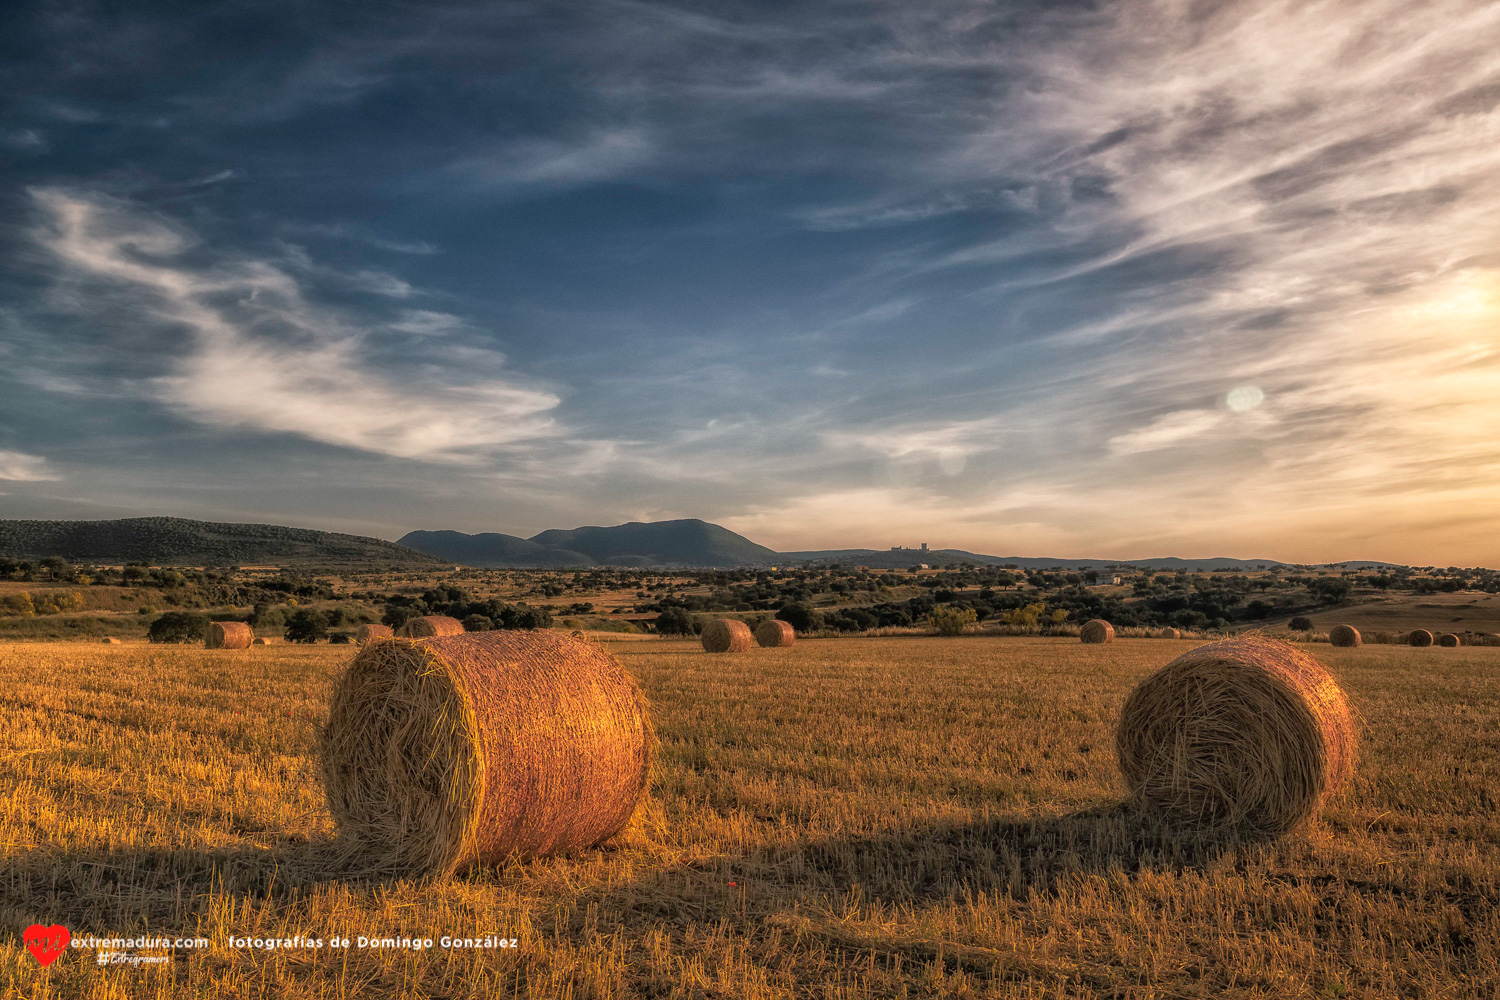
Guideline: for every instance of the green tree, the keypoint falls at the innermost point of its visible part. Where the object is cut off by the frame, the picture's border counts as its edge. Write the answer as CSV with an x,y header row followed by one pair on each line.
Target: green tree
x,y
306,625
674,621
478,623
952,621
178,626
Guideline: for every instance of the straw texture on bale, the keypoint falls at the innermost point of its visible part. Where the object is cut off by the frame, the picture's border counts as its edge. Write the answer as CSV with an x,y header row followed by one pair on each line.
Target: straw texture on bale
x,y
261,641
727,635
1170,633
469,749
1421,637
365,633
1248,732
430,625
1344,635
775,632
110,640
228,635
1448,639
1097,630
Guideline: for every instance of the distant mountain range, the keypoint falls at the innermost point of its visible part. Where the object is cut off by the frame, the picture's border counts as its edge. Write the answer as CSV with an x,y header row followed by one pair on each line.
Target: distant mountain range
x,y
684,543
688,542
177,541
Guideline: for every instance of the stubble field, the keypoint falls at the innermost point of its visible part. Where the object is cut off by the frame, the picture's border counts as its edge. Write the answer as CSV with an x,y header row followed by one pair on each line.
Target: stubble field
x,y
850,817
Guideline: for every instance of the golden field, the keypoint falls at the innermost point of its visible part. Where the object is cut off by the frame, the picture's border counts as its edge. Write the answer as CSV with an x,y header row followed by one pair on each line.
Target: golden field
x,y
850,817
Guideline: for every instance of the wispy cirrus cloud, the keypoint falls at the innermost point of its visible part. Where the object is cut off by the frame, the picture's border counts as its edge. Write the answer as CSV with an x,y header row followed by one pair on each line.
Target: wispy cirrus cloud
x,y
260,355
19,467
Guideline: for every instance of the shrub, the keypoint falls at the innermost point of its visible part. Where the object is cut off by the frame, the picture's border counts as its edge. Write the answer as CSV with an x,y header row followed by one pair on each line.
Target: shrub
x,y
178,626
478,623
306,625
802,617
1300,624
952,621
18,604
674,621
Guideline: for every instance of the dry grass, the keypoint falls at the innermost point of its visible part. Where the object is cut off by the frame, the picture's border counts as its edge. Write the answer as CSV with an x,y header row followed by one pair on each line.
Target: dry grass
x,y
228,635
449,752
847,818
1096,631
1247,732
1344,635
428,626
773,632
365,633
727,635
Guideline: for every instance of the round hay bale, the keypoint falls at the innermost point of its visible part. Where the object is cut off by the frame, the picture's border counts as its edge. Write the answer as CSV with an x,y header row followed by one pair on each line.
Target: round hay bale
x,y
430,625
1248,732
1421,637
775,632
470,749
727,635
1448,639
365,633
261,641
228,635
1096,630
1344,635
110,640
1170,633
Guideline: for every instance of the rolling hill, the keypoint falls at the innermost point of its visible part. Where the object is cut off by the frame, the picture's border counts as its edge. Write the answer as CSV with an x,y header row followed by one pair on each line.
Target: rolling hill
x,y
687,542
182,542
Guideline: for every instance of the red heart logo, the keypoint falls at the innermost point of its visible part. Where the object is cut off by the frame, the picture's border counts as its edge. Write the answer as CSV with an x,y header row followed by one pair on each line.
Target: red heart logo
x,y
47,943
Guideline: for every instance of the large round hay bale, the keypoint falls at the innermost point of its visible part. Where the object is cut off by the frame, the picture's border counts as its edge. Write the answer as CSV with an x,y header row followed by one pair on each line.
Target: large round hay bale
x,y
110,640
1248,732
1344,635
468,749
727,635
1448,639
228,635
430,625
1421,637
1097,630
1170,633
365,633
775,632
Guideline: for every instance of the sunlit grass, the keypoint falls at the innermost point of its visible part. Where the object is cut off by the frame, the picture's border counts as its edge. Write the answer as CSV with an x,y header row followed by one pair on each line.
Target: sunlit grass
x,y
852,817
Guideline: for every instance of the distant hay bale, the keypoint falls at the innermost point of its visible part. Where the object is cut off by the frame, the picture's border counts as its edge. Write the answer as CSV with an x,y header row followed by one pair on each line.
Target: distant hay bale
x,y
430,625
1248,732
1097,630
727,635
228,635
1448,639
365,633
261,641
1344,635
775,632
110,640
1170,633
469,749
1421,637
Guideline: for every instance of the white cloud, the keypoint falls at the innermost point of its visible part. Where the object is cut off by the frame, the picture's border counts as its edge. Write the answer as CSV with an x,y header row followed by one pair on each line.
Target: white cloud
x,y
262,356
595,156
17,466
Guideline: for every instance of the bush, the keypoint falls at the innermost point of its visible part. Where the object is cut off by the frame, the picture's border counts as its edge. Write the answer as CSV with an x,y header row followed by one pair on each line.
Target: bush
x,y
952,621
306,625
478,623
674,621
1300,624
178,626
801,617
18,604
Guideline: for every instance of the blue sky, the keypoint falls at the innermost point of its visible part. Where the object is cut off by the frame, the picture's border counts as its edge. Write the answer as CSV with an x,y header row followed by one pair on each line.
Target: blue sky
x,y
1092,279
